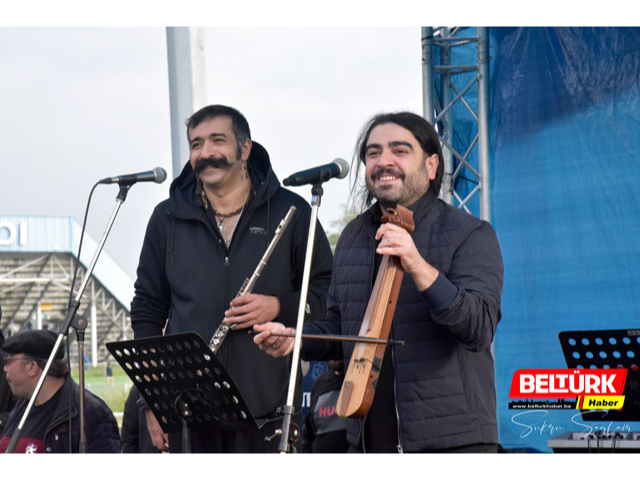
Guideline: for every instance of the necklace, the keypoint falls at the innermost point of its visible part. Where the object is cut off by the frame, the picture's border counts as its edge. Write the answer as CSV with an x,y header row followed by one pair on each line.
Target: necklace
x,y
227,222
220,218
226,228
227,215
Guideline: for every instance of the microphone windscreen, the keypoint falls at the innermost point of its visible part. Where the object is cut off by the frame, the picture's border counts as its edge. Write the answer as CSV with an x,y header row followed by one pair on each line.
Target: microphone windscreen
x,y
161,174
343,165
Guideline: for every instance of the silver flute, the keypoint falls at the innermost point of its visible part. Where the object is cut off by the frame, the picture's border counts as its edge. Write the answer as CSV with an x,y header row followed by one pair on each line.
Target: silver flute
x,y
249,283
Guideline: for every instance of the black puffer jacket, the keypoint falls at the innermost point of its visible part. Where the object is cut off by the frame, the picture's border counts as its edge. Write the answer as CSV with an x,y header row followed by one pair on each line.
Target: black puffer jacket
x,y
187,276
444,375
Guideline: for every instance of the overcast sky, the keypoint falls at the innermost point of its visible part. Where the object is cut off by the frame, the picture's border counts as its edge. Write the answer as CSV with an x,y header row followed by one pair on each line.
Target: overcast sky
x,y
81,104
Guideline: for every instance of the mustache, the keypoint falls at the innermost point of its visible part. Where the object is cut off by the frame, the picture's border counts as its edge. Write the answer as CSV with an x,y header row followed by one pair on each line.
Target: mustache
x,y
387,171
203,163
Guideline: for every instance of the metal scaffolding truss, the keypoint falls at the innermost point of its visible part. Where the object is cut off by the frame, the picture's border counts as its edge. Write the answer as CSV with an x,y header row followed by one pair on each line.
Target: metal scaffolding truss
x,y
448,84
34,293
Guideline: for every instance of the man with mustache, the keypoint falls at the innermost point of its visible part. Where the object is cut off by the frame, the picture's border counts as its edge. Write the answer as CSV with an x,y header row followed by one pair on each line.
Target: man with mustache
x,y
200,246
436,393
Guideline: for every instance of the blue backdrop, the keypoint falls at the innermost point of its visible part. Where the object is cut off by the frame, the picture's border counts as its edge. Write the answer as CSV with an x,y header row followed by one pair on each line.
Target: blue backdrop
x,y
565,143
565,171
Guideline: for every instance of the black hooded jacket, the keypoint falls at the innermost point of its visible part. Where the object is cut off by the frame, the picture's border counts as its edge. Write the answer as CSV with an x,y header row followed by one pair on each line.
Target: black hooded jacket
x,y
187,276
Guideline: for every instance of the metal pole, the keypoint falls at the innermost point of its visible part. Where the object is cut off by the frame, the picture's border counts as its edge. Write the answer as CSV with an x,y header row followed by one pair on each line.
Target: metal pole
x,y
289,409
483,122
447,133
187,85
428,106
180,93
94,327
39,317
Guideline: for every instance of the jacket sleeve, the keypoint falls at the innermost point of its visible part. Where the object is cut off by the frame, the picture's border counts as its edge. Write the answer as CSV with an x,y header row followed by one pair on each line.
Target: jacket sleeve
x,y
104,438
102,431
313,349
319,276
152,298
466,301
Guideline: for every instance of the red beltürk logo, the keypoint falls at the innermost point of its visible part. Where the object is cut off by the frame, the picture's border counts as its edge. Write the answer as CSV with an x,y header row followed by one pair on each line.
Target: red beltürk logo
x,y
567,383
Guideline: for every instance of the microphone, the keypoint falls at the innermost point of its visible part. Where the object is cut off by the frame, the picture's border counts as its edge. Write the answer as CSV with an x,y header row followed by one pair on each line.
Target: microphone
x,y
157,175
338,168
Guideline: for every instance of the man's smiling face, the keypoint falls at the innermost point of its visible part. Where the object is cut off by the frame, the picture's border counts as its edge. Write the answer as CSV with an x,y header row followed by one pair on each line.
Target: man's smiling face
x,y
397,169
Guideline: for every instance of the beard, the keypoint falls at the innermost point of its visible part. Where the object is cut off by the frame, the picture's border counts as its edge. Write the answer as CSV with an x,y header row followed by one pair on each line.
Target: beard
x,y
413,186
203,163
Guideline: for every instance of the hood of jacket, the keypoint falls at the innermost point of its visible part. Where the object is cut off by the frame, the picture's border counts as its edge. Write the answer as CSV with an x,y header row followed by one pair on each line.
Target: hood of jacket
x,y
185,202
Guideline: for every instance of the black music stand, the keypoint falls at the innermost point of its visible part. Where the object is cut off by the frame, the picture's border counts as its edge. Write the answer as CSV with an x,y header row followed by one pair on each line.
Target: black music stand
x,y
183,383
584,349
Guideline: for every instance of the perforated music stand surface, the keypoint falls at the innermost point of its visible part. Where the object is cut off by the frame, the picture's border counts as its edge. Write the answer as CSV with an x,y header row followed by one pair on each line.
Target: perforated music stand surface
x,y
181,379
585,349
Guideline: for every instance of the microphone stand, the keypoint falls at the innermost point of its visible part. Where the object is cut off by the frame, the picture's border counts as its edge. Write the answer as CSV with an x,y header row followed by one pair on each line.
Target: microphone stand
x,y
287,437
79,323
73,308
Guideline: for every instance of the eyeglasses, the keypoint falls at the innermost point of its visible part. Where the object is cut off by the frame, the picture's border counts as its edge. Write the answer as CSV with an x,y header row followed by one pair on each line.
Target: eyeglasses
x,y
8,360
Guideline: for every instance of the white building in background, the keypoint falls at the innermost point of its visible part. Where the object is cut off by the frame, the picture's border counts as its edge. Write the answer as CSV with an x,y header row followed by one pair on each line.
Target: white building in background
x,y
37,262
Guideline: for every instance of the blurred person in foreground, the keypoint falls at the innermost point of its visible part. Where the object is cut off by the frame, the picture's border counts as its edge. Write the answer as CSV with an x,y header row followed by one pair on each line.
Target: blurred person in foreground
x,y
7,399
46,430
134,432
324,431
